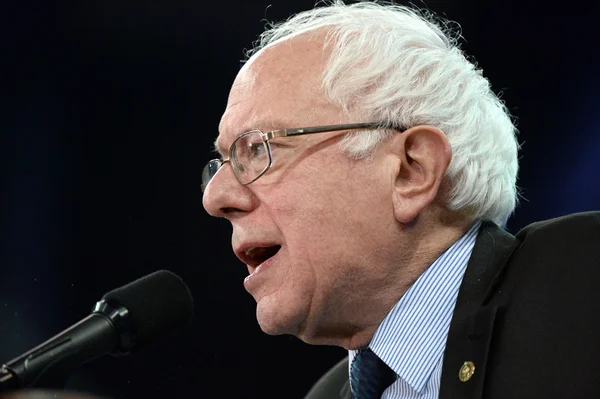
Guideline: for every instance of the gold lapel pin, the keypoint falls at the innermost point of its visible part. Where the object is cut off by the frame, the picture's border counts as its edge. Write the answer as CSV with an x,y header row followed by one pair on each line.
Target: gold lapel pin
x,y
466,371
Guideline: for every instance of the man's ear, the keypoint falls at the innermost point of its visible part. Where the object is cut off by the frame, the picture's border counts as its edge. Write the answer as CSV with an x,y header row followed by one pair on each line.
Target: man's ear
x,y
424,155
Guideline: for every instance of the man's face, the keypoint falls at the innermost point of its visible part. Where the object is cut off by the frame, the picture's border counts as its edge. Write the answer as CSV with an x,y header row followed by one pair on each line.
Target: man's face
x,y
327,220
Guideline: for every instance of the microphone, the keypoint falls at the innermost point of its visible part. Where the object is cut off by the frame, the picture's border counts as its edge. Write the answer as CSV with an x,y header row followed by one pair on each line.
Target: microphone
x,y
124,321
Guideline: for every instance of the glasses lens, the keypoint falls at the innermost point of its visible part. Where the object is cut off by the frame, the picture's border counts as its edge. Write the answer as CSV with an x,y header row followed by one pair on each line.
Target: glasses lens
x,y
250,157
209,171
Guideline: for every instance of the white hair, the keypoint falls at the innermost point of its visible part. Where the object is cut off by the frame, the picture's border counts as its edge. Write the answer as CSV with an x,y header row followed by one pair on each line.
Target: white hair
x,y
403,66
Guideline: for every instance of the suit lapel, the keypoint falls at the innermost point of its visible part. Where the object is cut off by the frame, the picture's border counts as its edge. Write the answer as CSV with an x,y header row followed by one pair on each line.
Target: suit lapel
x,y
473,320
345,392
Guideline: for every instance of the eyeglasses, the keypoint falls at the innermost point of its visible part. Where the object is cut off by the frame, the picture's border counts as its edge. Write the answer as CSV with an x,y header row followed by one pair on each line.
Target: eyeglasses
x,y
250,154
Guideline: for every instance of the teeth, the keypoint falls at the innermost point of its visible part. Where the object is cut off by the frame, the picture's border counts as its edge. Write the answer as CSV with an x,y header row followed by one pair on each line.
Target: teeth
x,y
254,252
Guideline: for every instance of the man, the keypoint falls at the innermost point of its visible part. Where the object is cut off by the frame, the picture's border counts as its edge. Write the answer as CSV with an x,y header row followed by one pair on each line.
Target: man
x,y
367,169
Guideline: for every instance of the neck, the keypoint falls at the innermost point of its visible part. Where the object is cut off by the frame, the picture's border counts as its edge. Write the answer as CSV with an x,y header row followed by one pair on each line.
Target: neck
x,y
381,289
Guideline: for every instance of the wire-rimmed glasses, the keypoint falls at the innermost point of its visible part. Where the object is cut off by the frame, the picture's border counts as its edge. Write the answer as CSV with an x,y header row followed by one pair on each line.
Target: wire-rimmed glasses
x,y
250,154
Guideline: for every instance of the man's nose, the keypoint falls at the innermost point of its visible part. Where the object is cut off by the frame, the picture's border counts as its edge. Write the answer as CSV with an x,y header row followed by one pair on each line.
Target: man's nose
x,y
225,196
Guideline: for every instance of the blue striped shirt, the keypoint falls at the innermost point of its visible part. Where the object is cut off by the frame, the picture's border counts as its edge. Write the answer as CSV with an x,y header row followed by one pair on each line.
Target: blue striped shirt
x,y
412,337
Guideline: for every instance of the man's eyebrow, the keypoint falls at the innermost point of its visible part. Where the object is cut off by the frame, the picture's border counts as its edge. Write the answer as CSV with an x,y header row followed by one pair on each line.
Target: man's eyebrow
x,y
217,149
261,125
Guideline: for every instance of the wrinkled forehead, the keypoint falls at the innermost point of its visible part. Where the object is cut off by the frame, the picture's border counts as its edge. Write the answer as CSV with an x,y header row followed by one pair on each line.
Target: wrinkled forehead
x,y
279,87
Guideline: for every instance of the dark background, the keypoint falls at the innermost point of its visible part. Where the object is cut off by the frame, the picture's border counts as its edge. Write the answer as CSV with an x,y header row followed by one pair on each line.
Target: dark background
x,y
109,111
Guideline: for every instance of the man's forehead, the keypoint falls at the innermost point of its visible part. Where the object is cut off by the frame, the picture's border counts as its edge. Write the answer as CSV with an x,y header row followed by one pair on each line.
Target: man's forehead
x,y
277,84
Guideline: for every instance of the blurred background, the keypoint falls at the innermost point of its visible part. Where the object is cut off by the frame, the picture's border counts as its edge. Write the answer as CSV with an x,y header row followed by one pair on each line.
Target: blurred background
x,y
109,111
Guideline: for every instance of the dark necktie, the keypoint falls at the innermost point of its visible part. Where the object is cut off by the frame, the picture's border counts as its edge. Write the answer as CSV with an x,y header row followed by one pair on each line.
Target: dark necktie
x,y
369,375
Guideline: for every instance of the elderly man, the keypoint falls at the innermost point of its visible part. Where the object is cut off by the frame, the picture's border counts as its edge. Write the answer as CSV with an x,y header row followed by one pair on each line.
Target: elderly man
x,y
367,169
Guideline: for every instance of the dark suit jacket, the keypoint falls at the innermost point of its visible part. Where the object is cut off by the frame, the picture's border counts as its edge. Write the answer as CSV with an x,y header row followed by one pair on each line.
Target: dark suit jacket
x,y
527,316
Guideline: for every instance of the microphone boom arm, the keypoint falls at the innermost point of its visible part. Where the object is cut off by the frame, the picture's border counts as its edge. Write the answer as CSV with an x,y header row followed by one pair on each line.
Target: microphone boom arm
x,y
97,334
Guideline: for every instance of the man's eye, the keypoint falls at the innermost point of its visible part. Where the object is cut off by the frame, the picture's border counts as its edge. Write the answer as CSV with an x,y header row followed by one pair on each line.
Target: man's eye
x,y
257,150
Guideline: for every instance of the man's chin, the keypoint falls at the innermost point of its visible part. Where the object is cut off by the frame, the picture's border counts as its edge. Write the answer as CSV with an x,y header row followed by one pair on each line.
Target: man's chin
x,y
277,320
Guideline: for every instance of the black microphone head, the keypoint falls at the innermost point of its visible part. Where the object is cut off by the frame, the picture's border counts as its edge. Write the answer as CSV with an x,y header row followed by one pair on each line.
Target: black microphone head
x,y
157,304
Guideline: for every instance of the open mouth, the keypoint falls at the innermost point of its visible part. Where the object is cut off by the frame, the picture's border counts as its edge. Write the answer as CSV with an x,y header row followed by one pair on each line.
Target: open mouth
x,y
257,255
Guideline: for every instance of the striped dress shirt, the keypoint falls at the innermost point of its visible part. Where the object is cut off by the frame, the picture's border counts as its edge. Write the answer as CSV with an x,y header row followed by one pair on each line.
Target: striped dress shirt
x,y
412,337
